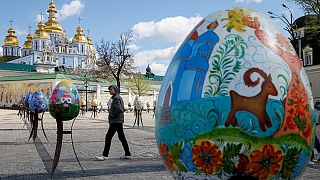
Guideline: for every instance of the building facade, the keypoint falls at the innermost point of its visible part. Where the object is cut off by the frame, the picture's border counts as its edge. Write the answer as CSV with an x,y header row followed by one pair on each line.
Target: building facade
x,y
307,47
49,47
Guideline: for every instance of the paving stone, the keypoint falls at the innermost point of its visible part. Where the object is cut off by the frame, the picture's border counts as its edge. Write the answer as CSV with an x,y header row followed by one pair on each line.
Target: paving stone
x,y
23,159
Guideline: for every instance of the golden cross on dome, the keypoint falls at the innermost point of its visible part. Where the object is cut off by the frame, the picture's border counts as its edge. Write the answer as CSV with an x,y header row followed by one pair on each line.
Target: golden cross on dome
x,y
79,19
11,21
29,28
41,14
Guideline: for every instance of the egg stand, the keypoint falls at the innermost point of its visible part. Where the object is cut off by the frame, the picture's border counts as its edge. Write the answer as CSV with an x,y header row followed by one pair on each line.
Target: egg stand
x,y
24,118
82,109
138,114
34,119
19,111
94,112
154,111
60,133
26,113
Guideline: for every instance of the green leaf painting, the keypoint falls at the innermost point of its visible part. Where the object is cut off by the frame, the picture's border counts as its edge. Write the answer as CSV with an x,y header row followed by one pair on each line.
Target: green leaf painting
x,y
225,64
289,162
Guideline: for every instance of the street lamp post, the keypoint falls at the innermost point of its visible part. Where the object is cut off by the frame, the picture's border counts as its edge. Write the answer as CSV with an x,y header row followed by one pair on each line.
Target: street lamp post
x,y
86,86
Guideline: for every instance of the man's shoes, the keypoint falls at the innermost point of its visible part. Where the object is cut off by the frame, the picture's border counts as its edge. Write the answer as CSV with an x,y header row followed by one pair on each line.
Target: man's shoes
x,y
125,157
101,158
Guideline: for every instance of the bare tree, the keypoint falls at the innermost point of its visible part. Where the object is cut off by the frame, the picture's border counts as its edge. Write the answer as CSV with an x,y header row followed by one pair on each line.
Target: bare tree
x,y
138,84
309,6
312,19
115,58
290,25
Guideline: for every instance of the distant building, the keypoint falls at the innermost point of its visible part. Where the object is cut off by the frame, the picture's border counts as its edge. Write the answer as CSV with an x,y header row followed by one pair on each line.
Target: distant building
x,y
49,47
17,80
308,46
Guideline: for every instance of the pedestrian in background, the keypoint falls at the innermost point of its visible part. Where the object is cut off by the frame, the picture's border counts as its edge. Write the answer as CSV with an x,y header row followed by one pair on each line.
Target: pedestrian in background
x,y
154,107
116,120
148,107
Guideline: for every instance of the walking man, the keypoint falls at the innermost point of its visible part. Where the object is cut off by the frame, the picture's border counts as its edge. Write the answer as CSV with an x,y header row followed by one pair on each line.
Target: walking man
x,y
116,120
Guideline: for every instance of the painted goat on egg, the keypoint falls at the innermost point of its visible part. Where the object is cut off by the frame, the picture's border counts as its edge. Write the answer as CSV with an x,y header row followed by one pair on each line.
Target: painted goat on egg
x,y
235,101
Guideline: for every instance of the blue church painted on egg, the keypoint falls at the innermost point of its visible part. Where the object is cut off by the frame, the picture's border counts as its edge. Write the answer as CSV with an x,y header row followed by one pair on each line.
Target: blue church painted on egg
x,y
186,74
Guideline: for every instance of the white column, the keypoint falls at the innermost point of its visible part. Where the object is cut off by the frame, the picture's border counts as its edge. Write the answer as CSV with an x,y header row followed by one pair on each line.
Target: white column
x,y
98,93
129,95
154,95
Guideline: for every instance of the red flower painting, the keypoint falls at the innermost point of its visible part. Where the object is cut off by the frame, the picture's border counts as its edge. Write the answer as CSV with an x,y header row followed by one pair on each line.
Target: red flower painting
x,y
207,157
264,163
166,157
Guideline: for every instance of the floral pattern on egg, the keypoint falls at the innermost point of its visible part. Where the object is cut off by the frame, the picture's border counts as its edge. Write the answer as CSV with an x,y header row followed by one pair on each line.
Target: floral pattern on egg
x,y
235,101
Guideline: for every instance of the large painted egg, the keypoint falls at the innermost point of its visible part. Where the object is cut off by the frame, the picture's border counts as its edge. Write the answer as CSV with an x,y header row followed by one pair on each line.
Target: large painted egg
x,y
64,99
235,101
38,102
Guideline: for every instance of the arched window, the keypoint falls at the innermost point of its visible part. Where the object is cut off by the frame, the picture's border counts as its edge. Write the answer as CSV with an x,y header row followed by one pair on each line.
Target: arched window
x,y
307,56
36,45
63,60
12,51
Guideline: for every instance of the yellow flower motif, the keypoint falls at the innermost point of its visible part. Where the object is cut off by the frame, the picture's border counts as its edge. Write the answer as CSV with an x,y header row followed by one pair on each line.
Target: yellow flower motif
x,y
235,19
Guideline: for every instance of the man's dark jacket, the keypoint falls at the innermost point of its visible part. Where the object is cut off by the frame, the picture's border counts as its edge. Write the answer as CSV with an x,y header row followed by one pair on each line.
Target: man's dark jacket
x,y
116,110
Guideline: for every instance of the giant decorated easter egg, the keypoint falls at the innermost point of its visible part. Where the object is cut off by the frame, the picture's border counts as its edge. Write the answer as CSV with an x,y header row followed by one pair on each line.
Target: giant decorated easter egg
x,y
38,102
65,100
235,101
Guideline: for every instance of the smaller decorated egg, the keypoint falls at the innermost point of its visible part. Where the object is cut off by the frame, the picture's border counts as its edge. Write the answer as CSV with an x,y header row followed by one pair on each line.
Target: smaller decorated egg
x,y
82,102
94,102
26,100
64,99
38,102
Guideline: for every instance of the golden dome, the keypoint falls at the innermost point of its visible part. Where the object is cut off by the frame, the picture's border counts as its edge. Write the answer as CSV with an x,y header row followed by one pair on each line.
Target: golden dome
x,y
79,37
11,39
91,47
52,25
28,43
41,33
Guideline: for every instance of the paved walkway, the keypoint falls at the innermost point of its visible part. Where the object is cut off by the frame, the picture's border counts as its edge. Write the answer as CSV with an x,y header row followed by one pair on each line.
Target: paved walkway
x,y
23,159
